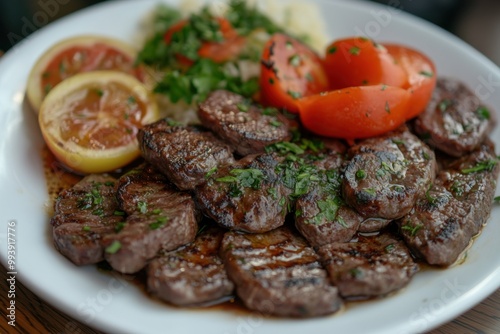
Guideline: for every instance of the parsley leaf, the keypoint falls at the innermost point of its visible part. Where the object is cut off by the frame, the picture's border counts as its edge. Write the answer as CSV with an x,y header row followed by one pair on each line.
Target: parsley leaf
x,y
487,165
199,80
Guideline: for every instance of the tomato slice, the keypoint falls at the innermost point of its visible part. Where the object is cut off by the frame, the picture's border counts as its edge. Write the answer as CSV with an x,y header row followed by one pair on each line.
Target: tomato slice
x,y
289,70
421,76
229,48
355,112
359,61
90,121
76,55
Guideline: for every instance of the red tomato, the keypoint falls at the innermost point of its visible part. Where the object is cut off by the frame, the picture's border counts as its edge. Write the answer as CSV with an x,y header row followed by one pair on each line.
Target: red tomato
x,y
76,55
355,112
359,61
219,52
421,76
289,70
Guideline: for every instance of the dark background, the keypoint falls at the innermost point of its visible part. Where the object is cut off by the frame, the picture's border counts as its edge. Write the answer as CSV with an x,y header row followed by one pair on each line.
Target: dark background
x,y
475,21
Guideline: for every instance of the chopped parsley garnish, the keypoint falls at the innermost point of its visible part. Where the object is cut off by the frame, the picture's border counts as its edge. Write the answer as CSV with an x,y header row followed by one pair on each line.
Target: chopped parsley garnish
x,y
431,199
86,228
356,273
389,248
142,207
294,60
426,155
92,199
294,94
445,104
398,141
62,67
113,247
211,172
119,213
275,123
47,88
242,178
458,188
426,74
243,106
270,111
202,78
273,192
247,18
496,199
341,222
332,50
412,230
487,165
355,51
119,226
360,174
172,122
285,148
98,212
370,191
328,209
159,222
483,113
131,100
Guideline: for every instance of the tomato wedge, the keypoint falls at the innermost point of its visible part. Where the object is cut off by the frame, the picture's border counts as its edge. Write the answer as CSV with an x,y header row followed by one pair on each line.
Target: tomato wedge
x,y
359,61
289,70
355,112
420,76
229,48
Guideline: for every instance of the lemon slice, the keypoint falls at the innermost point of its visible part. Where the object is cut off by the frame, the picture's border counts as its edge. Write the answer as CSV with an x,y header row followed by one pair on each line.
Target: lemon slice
x,y
75,55
90,121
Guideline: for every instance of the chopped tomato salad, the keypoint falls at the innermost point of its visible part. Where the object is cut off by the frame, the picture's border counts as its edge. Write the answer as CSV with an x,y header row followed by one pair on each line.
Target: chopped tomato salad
x,y
226,44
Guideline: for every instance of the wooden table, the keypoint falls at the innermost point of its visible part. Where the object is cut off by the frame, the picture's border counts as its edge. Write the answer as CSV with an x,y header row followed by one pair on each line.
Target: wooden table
x,y
33,315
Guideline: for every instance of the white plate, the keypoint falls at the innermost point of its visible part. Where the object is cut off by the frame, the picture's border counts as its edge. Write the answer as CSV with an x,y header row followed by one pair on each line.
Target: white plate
x,y
104,302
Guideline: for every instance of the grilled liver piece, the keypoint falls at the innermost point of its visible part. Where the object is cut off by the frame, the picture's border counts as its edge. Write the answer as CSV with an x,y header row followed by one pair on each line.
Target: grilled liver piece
x,y
321,215
371,266
185,154
455,121
193,274
244,126
83,215
441,225
278,273
247,196
387,174
160,217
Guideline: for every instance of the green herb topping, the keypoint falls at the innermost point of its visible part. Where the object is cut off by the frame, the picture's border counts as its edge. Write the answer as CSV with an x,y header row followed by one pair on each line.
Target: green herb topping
x,y
113,247
487,165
